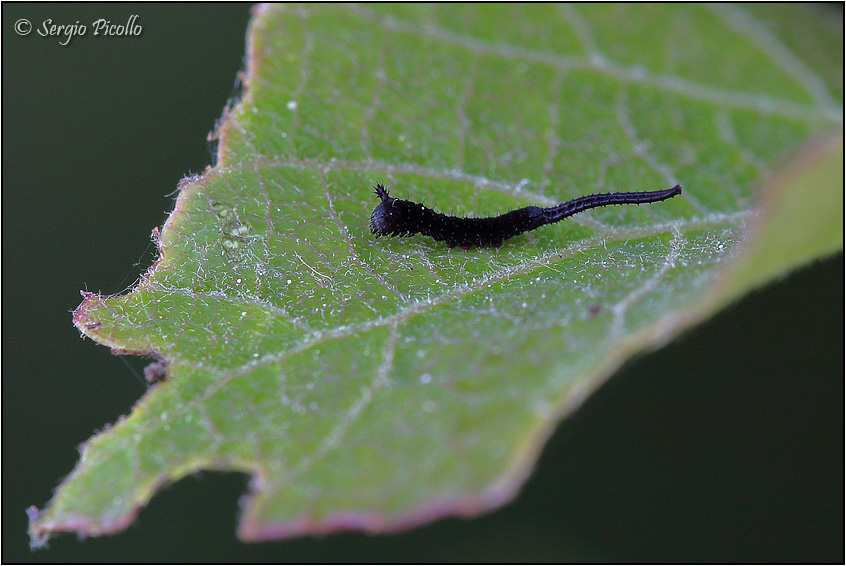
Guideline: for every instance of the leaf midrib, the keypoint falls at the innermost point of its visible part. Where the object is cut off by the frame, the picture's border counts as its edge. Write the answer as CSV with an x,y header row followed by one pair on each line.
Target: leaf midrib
x,y
547,259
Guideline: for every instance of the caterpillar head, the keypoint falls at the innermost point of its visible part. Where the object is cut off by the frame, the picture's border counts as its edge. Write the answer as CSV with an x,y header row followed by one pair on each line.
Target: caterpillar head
x,y
397,217
383,220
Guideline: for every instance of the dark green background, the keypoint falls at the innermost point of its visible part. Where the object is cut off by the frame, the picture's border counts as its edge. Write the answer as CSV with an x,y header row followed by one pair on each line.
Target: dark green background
x,y
727,445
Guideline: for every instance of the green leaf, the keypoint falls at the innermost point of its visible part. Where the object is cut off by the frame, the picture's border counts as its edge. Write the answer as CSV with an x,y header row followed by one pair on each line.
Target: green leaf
x,y
802,217
378,384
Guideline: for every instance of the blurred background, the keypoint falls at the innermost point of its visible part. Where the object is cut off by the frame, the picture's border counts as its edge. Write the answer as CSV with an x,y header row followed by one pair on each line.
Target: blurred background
x,y
726,445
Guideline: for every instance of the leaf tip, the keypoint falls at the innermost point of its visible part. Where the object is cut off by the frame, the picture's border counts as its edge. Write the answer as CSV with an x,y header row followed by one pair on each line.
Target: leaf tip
x,y
37,538
81,315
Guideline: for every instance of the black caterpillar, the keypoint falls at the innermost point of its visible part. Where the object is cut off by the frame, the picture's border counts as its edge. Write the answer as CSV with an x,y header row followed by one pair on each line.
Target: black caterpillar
x,y
396,217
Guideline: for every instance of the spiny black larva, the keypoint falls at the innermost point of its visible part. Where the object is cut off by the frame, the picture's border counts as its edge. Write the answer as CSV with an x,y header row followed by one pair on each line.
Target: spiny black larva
x,y
396,217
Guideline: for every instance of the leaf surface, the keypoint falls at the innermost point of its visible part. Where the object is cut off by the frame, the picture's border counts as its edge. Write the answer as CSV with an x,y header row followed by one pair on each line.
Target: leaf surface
x,y
378,384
